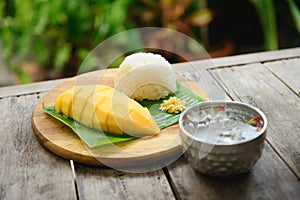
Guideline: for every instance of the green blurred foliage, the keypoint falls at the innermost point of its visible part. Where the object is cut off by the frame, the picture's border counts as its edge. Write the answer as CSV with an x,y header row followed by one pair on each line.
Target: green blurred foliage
x,y
267,10
186,16
57,34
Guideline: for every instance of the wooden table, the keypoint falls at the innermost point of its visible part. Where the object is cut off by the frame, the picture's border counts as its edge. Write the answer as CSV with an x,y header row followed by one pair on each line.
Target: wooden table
x,y
268,80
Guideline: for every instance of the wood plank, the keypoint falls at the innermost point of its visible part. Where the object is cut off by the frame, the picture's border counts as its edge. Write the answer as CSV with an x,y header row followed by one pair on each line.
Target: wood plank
x,y
270,178
241,59
288,71
258,86
28,88
27,170
204,79
36,87
101,183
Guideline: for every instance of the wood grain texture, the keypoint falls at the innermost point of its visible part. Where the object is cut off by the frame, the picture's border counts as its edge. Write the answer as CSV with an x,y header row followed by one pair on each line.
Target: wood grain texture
x,y
243,59
289,74
27,170
96,183
28,88
206,82
270,179
258,86
61,140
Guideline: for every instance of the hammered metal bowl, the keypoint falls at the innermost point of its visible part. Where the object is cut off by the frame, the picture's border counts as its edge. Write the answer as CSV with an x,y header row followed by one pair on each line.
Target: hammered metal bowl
x,y
211,151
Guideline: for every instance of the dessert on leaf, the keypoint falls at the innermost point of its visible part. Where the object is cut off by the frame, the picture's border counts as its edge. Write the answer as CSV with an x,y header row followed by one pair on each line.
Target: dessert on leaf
x,y
106,109
146,98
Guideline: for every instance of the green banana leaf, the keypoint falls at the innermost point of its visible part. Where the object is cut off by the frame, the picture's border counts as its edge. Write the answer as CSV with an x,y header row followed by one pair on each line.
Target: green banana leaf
x,y
95,138
164,119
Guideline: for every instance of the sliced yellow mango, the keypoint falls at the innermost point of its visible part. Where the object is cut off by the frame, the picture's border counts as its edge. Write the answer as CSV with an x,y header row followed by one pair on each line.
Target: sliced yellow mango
x,y
64,102
104,108
136,122
104,118
79,102
67,102
58,103
91,102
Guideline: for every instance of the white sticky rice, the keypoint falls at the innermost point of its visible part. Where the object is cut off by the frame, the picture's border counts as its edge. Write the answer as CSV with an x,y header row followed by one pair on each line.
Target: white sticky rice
x,y
145,76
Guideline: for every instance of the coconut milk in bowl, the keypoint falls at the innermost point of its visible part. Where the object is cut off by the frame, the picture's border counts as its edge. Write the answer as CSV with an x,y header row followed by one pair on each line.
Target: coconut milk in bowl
x,y
222,138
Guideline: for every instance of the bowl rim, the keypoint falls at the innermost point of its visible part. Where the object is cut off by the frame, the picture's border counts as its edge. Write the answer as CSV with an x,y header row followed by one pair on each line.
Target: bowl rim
x,y
218,102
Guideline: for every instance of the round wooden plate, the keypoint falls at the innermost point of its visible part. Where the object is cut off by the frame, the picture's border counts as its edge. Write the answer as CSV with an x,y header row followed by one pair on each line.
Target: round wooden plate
x,y
61,140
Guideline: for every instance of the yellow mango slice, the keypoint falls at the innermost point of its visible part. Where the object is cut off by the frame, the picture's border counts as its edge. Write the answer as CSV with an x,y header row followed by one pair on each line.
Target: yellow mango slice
x,y
103,111
79,101
104,108
91,102
140,122
66,99
58,103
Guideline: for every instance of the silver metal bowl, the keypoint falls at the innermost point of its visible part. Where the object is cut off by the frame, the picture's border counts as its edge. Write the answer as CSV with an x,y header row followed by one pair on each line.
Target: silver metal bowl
x,y
222,138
